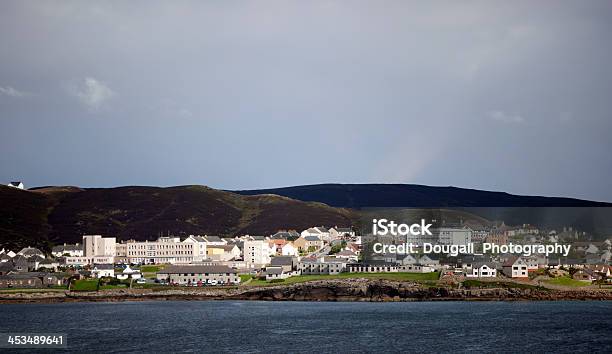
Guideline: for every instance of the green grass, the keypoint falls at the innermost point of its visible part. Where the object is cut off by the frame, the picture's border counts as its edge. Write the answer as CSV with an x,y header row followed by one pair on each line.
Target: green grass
x,y
151,268
245,277
567,281
418,277
85,285
150,271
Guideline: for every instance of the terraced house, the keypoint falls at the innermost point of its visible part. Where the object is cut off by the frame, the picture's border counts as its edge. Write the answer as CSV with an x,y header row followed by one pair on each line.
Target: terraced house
x,y
199,275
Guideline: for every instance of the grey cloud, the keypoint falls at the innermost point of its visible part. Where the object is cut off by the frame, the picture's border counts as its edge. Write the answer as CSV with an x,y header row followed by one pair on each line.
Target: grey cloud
x,y
92,92
11,92
505,117
273,93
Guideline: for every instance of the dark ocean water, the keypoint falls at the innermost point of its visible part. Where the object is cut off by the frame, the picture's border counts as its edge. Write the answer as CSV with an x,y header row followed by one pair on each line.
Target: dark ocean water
x,y
270,327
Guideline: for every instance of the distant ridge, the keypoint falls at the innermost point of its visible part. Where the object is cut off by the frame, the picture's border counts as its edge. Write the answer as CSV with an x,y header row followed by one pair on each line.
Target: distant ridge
x,y
50,215
415,196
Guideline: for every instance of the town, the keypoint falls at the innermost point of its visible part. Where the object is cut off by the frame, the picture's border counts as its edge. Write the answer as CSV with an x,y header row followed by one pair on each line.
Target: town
x,y
288,256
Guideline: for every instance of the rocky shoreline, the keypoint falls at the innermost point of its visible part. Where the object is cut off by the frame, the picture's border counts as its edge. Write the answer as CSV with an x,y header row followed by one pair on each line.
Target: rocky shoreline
x,y
324,290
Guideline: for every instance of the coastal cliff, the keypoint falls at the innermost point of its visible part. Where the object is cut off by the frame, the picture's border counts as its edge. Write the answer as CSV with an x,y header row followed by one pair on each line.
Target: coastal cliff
x,y
324,290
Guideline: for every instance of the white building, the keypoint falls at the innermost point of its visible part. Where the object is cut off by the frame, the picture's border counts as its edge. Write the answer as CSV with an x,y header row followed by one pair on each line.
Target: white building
x,y
318,231
341,232
516,267
96,250
288,249
481,270
98,246
75,250
166,250
129,273
322,265
257,253
17,184
103,270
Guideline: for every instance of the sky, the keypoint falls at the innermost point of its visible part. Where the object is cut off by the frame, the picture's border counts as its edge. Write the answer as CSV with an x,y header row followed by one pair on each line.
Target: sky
x,y
495,95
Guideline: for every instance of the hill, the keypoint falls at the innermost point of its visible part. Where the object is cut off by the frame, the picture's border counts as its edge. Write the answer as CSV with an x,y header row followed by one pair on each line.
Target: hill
x,y
383,199
415,196
44,216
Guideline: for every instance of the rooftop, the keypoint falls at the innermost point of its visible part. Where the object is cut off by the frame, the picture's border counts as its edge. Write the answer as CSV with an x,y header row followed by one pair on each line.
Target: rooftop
x,y
197,269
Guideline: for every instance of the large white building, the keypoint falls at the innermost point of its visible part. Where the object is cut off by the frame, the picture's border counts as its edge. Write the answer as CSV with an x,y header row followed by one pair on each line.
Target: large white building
x,y
96,250
166,250
257,253
96,245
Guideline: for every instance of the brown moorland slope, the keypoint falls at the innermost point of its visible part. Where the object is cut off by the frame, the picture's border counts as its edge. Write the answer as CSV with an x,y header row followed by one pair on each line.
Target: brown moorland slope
x,y
51,215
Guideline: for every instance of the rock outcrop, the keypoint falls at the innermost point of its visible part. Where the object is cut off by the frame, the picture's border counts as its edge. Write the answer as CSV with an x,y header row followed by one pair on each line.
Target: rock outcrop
x,y
323,290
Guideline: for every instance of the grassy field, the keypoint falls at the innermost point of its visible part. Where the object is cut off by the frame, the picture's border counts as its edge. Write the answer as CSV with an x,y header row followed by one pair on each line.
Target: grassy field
x,y
151,268
567,281
245,277
85,285
419,277
149,271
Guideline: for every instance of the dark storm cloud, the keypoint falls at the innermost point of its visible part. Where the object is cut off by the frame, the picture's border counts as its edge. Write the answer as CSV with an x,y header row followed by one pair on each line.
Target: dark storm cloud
x,y
490,95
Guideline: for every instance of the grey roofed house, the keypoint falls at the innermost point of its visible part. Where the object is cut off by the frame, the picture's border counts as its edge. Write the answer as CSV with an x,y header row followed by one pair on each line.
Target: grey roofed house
x,y
6,267
197,269
312,238
213,239
199,238
593,259
480,264
281,235
469,259
20,263
48,261
104,266
5,257
344,230
31,251
67,248
572,261
26,275
347,253
36,259
258,238
274,270
283,261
